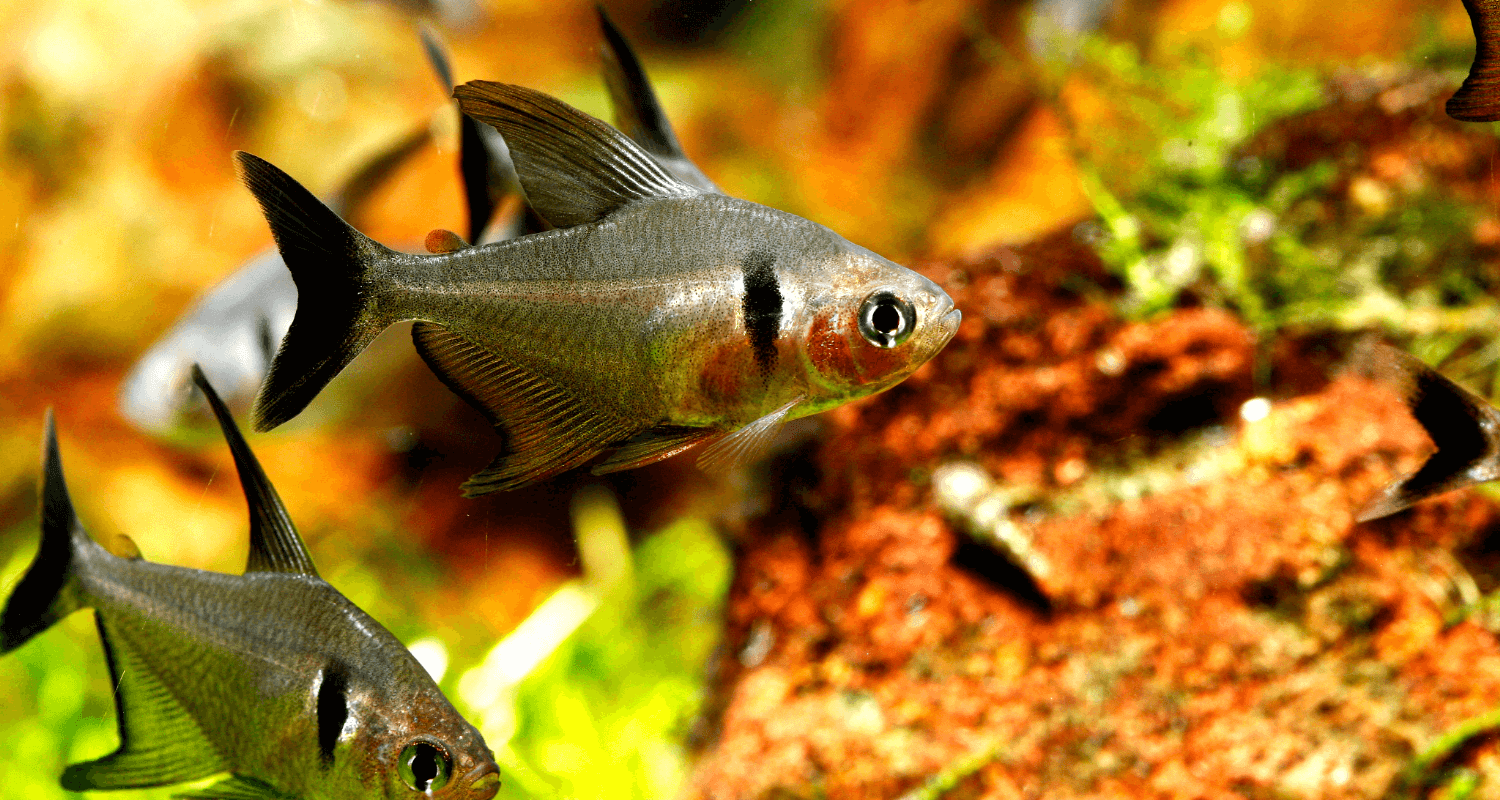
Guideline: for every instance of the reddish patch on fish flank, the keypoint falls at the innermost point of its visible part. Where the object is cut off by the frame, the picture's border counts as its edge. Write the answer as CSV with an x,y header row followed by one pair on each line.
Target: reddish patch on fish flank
x,y
828,345
836,351
728,376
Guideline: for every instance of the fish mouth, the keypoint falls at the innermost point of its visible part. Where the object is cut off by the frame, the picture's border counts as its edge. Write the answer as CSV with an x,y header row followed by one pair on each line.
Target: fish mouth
x,y
483,781
949,322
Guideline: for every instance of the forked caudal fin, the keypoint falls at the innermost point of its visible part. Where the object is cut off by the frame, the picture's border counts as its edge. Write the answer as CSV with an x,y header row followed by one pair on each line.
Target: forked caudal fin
x,y
1465,429
330,263
47,592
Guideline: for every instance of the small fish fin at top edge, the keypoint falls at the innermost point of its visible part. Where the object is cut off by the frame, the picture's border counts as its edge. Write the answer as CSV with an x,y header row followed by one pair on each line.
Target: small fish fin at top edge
x,y
236,787
746,445
638,113
547,429
274,543
653,446
48,590
573,168
1478,99
1460,423
160,742
437,56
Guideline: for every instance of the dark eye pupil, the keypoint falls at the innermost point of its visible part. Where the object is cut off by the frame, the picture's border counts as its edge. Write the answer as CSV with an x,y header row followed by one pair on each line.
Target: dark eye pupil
x,y
886,318
424,766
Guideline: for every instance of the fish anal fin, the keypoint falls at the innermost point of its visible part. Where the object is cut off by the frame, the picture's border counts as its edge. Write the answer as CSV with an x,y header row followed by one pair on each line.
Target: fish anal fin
x,y
160,742
573,168
658,444
547,429
236,787
274,543
1464,427
745,445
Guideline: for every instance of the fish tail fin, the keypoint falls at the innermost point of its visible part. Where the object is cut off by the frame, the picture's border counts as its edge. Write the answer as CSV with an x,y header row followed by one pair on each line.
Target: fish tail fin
x,y
49,589
1464,427
332,265
1478,99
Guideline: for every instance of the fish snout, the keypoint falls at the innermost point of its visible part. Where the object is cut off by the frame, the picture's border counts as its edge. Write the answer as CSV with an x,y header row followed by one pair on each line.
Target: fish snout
x,y
483,781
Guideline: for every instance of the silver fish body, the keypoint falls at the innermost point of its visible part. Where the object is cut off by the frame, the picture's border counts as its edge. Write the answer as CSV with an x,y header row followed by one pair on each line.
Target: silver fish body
x,y
729,312
656,317
272,676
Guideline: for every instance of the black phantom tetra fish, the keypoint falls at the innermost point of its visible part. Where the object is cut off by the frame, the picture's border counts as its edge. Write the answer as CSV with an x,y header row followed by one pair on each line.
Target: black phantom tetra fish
x,y
272,676
656,317
1478,99
1465,428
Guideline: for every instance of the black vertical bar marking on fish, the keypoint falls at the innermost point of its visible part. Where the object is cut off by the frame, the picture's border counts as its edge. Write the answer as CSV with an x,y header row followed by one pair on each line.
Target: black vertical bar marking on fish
x,y
333,709
762,307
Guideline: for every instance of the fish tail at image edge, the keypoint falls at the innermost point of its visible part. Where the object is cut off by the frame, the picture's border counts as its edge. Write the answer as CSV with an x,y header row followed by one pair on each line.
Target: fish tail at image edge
x,y
329,261
48,592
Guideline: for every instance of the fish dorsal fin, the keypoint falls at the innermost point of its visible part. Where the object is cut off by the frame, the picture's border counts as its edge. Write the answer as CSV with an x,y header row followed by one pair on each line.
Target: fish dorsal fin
x,y
547,429
747,444
437,56
574,168
653,446
236,787
1461,424
638,114
274,543
160,742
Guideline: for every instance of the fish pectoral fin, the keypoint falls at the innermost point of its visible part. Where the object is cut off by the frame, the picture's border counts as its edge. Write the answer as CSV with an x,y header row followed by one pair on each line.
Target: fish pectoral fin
x,y
547,429
745,445
657,444
574,168
237,787
274,543
160,742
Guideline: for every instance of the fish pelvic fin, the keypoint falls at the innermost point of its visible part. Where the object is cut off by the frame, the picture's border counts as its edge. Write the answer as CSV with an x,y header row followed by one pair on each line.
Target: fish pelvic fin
x,y
274,543
746,445
1464,427
49,590
236,787
657,444
160,742
331,264
573,168
547,429
1478,99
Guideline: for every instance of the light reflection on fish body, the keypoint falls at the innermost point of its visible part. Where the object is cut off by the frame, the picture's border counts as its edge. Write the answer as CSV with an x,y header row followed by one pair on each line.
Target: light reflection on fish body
x,y
272,676
657,316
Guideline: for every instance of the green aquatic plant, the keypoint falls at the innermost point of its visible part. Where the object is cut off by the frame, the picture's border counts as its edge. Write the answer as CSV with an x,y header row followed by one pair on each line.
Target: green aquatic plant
x,y
1209,214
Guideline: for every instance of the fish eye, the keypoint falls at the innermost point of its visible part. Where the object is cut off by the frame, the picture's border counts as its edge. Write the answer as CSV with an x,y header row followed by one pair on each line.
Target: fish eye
x,y
425,766
886,320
